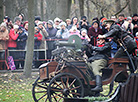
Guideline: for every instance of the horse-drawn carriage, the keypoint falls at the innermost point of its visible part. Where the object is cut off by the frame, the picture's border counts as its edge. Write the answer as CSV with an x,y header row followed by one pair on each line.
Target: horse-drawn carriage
x,y
68,75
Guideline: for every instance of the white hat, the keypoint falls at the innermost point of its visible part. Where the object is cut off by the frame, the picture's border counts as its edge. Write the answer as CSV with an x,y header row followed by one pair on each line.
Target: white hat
x,y
83,30
73,28
63,23
15,26
136,33
56,19
40,22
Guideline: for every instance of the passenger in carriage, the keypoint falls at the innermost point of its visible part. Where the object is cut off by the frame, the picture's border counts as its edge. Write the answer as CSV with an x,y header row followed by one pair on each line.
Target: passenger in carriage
x,y
98,61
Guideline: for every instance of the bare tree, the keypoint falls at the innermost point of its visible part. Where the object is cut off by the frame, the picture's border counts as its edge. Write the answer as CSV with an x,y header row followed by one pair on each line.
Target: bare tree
x,y
134,6
30,41
1,10
81,6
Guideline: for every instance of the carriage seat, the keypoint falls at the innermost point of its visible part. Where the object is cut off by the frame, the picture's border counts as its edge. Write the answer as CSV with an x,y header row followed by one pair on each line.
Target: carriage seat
x,y
74,42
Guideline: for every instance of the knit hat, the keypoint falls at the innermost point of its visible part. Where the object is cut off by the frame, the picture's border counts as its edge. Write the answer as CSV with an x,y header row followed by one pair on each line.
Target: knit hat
x,y
103,19
37,18
83,30
135,15
136,33
56,19
39,23
129,18
3,24
15,26
50,22
63,23
17,18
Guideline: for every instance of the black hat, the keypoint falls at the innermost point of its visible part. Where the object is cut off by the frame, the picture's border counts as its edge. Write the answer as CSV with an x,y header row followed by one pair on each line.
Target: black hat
x,y
109,21
122,15
38,18
135,15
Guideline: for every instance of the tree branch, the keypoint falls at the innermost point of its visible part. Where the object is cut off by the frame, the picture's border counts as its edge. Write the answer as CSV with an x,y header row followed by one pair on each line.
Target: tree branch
x,y
122,8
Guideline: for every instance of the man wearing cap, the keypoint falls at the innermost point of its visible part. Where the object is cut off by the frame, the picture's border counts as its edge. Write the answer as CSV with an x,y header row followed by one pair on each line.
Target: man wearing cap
x,y
121,19
119,35
135,22
98,61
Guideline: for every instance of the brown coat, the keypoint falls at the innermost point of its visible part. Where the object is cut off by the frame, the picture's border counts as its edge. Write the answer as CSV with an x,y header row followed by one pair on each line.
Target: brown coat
x,y
4,37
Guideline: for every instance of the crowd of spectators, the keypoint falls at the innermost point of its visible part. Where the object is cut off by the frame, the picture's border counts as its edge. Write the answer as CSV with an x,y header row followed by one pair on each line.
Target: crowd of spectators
x,y
13,34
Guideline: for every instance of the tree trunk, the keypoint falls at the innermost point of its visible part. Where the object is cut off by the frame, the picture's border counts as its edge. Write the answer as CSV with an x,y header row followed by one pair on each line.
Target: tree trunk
x,y
134,4
88,9
30,41
42,10
35,7
81,6
1,11
60,8
10,10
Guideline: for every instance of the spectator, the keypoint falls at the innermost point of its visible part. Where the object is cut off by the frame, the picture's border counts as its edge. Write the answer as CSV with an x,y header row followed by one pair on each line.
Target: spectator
x,y
114,18
84,23
68,22
6,19
74,31
43,32
128,25
17,21
56,23
25,26
8,23
121,19
94,31
51,35
74,21
4,37
63,33
12,43
84,36
135,22
103,25
21,16
21,43
136,39
37,19
38,38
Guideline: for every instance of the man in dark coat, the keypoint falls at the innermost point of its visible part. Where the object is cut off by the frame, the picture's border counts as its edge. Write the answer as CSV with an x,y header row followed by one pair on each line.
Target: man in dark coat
x,y
121,35
99,60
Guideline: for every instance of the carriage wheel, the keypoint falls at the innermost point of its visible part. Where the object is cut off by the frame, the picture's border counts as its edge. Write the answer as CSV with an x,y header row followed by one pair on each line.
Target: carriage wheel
x,y
39,90
65,85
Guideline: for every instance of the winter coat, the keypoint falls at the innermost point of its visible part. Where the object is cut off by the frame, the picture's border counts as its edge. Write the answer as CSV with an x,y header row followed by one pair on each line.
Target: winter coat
x,y
51,32
12,39
135,28
21,40
4,37
128,27
38,37
118,33
102,52
92,32
62,34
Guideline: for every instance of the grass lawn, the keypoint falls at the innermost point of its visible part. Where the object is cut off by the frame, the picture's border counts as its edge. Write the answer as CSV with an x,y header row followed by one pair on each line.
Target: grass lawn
x,y
14,88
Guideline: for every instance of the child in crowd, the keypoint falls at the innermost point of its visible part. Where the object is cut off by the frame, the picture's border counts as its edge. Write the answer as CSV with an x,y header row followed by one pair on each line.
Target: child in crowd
x,y
74,31
84,36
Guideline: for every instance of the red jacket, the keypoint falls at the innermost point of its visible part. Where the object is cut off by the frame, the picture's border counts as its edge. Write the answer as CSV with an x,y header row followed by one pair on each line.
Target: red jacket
x,y
38,36
12,39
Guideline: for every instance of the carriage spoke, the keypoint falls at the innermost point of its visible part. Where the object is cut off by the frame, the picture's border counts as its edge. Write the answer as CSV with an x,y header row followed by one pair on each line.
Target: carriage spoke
x,y
63,83
60,98
41,86
40,91
72,83
75,88
67,82
42,97
57,90
57,84
56,95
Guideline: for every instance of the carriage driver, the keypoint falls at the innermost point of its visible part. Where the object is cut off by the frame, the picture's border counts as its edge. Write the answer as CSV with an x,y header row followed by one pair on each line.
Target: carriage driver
x,y
98,61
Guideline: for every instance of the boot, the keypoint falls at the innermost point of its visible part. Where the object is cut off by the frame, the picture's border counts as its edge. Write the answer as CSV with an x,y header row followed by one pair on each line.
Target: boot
x,y
98,87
